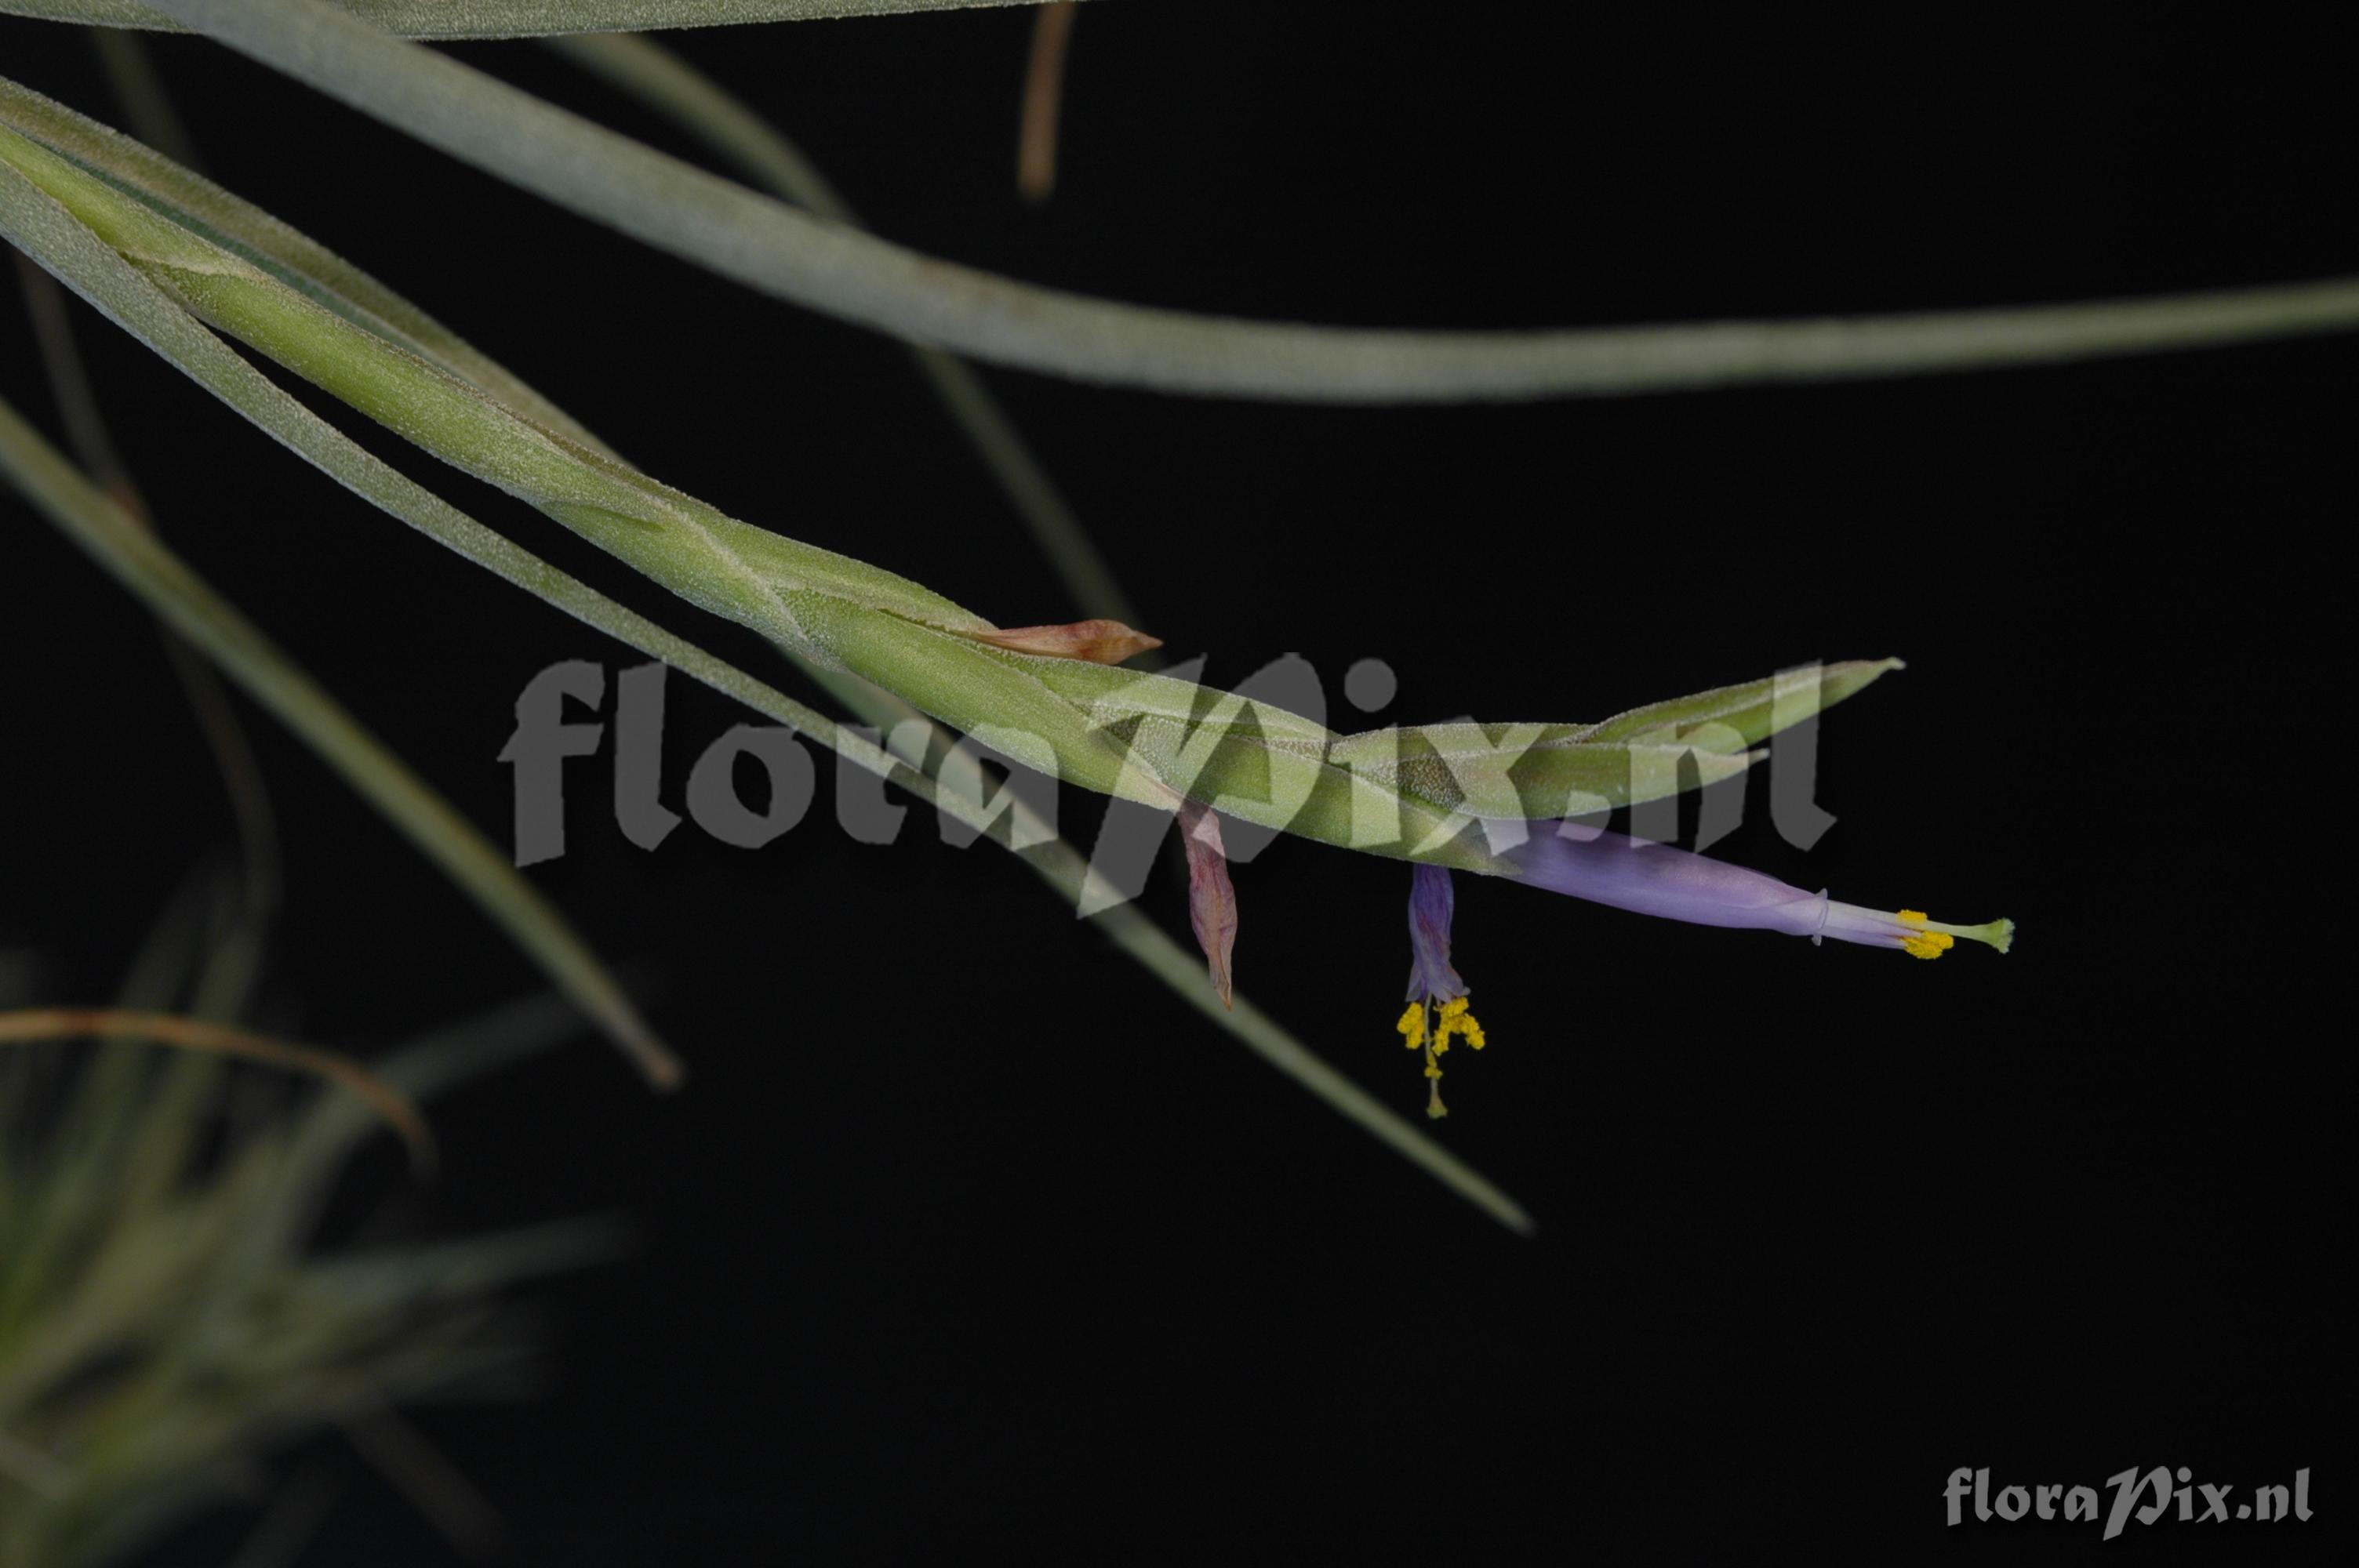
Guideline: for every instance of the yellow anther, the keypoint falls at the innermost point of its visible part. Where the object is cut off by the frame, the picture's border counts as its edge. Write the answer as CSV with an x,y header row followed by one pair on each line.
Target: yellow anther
x,y
1457,1023
1932,943
1450,1021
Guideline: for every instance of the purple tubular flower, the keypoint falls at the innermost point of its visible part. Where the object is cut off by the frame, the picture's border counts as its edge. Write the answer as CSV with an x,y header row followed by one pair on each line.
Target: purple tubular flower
x,y
1648,878
1645,878
1436,1012
1431,904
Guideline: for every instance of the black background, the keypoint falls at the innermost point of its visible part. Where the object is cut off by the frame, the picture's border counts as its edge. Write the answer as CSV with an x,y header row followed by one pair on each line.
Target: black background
x,y
967,1238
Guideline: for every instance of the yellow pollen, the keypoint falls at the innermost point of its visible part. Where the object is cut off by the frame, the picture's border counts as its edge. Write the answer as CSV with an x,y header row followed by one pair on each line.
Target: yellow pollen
x,y
1931,943
1458,1022
1451,1021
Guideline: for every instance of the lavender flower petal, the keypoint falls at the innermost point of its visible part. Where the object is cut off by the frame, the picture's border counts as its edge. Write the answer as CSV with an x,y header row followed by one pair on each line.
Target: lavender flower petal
x,y
1431,904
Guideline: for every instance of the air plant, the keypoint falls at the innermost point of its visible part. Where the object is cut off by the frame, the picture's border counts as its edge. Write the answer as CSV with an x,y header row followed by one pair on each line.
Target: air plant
x,y
169,1319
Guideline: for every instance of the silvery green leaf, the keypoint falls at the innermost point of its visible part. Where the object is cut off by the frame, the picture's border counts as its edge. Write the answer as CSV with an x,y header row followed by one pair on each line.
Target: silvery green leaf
x,y
517,19
676,207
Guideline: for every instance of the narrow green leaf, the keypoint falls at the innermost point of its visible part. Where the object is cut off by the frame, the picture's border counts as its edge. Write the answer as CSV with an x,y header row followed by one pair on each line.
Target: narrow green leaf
x,y
767,245
1730,716
517,19
140,561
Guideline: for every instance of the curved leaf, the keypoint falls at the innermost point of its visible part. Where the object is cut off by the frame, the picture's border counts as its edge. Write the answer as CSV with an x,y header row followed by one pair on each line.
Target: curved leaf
x,y
767,245
519,18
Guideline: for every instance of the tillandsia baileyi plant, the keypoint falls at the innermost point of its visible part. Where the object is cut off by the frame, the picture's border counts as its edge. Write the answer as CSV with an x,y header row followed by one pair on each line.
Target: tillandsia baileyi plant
x,y
216,287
